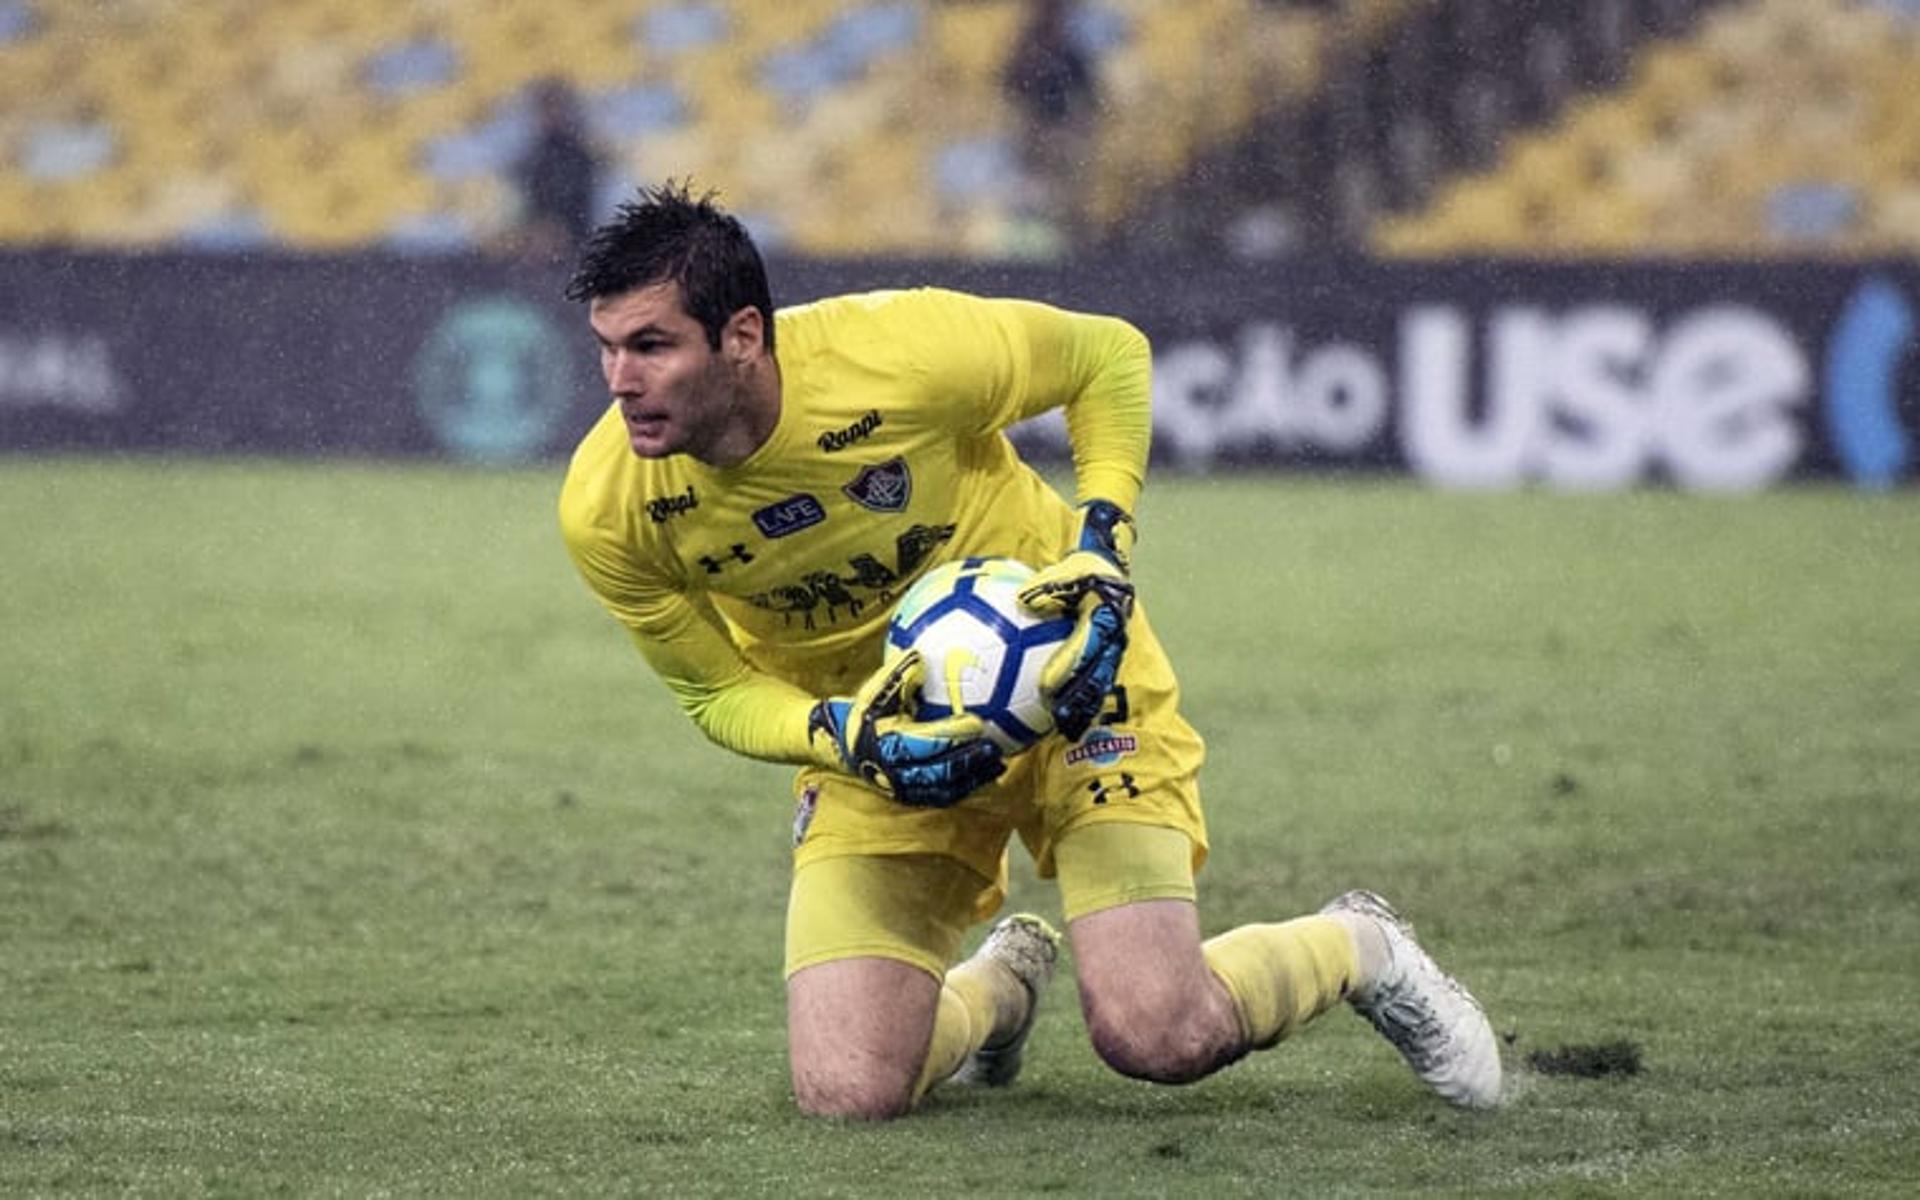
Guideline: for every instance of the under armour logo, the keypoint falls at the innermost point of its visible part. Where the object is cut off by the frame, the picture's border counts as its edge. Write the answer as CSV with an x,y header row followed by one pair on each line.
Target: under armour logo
x,y
1106,787
715,565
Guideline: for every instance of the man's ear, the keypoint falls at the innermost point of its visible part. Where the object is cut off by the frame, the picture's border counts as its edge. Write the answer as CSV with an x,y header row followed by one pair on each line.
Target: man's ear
x,y
744,336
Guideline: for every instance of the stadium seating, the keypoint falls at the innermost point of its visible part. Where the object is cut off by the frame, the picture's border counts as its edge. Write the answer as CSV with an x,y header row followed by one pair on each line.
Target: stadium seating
x,y
1775,126
834,126
855,127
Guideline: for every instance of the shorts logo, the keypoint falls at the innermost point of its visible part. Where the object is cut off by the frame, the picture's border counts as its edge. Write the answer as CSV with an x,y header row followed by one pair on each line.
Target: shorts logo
x,y
1103,747
803,812
791,515
662,508
839,439
884,487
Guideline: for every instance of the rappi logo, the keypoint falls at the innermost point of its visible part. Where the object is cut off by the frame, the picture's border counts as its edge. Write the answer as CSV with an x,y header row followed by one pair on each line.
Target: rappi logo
x,y
1871,341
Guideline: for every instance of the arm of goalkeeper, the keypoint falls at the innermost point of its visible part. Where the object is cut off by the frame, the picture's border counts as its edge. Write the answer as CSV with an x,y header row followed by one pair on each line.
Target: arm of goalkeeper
x,y
1091,585
925,764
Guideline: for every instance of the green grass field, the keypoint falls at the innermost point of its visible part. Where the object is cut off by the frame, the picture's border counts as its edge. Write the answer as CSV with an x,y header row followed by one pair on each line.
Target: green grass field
x,y
346,848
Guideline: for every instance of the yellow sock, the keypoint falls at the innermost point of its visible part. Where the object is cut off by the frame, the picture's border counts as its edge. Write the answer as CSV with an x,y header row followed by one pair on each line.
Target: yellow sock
x,y
979,1000
1282,976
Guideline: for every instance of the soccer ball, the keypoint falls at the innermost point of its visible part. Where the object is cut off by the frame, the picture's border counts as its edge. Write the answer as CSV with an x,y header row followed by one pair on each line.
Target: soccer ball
x,y
984,650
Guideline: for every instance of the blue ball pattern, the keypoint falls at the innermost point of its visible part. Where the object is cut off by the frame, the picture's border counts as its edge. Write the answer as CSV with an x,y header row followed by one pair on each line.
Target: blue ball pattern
x,y
984,590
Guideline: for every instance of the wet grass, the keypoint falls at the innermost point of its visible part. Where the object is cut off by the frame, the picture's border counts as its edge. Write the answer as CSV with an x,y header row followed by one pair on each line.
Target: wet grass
x,y
346,848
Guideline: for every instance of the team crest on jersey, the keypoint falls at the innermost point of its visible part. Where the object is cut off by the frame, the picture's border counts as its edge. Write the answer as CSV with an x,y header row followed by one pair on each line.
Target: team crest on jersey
x,y
791,515
883,487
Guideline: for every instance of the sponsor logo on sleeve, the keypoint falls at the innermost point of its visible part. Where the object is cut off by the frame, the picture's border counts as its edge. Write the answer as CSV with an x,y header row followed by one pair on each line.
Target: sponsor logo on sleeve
x,y
883,487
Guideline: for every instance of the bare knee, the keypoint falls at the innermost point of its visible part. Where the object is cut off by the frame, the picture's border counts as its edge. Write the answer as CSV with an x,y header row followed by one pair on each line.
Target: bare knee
x,y
1154,1010
1161,1039
857,1033
852,1099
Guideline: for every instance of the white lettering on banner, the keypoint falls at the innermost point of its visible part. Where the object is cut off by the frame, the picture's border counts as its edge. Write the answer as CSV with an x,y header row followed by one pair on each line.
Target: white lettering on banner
x,y
1438,433
56,371
1603,434
1595,398
1598,397
1187,382
1723,388
1560,399
1332,398
1342,392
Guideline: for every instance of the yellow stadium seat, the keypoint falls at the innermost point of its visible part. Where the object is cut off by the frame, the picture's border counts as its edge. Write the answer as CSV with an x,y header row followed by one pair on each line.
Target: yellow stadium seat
x,y
1709,128
222,104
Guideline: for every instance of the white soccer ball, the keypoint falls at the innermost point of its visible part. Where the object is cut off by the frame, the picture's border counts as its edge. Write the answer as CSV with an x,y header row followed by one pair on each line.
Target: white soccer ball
x,y
984,650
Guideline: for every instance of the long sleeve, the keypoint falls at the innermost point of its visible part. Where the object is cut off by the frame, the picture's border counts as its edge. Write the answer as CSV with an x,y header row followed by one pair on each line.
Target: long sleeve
x,y
736,706
1100,370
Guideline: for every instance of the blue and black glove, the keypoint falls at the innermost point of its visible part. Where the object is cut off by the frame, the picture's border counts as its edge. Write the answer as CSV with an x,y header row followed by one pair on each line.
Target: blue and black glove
x,y
1091,585
925,764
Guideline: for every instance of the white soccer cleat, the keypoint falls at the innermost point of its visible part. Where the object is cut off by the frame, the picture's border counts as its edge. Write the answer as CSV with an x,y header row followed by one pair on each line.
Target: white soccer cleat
x,y
1029,947
1437,1026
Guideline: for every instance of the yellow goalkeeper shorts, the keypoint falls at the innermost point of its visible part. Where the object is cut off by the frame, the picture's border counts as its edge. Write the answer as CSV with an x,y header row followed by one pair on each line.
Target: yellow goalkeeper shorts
x,y
1138,766
917,907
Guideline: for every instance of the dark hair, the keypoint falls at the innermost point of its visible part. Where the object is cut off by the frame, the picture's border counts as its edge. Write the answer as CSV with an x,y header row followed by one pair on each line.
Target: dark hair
x,y
669,234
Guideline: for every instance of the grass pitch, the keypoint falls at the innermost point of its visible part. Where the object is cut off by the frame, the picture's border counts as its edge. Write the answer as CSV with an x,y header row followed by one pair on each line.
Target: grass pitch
x,y
346,848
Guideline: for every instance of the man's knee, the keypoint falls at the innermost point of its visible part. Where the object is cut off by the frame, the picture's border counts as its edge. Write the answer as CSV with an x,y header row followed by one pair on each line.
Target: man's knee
x,y
857,1033
1162,1039
1154,1010
853,1098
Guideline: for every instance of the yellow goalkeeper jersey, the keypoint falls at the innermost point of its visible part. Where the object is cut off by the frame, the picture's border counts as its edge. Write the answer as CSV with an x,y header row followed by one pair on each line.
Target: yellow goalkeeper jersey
x,y
755,589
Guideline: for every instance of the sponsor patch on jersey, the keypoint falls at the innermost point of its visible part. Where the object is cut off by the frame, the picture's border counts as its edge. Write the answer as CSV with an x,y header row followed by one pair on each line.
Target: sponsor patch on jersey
x,y
791,515
803,812
1103,746
882,487
663,508
835,440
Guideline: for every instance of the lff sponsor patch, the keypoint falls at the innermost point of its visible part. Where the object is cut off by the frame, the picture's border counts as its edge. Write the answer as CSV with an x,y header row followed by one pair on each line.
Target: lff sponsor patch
x,y
791,515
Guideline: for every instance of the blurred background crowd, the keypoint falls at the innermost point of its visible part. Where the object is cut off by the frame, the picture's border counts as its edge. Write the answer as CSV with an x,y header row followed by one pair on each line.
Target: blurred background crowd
x,y
983,129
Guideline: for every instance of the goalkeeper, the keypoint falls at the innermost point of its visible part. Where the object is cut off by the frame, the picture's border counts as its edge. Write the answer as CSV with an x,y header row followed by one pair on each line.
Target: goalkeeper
x,y
760,491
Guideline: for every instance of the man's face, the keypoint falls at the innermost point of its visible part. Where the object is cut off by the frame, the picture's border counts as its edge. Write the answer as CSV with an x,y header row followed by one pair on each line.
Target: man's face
x,y
676,393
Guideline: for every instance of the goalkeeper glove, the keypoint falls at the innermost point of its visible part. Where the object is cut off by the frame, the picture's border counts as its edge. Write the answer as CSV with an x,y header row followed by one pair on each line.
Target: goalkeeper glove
x,y
925,764
1090,584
